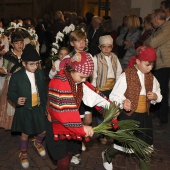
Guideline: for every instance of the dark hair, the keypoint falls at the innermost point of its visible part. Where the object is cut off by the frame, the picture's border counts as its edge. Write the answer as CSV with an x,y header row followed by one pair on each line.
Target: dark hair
x,y
147,19
16,36
167,4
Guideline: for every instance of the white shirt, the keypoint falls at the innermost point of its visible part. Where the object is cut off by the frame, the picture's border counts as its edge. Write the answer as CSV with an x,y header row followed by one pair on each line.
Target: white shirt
x,y
53,73
110,73
31,77
120,87
91,99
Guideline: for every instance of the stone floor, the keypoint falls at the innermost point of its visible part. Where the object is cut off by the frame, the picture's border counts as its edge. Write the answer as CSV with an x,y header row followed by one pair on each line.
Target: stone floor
x,y
90,159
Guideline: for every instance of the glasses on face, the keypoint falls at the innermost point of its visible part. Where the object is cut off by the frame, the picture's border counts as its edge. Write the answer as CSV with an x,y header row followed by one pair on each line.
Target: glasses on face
x,y
33,64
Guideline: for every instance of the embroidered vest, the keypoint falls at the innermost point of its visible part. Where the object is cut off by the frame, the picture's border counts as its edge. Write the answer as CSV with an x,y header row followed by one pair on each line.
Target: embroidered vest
x,y
134,87
102,68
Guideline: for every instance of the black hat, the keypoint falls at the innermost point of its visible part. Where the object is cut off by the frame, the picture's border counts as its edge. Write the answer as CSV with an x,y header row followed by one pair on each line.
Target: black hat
x,y
30,54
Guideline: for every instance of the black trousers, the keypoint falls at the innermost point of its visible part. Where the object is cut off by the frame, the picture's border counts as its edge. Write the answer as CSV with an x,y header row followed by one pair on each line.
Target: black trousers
x,y
162,109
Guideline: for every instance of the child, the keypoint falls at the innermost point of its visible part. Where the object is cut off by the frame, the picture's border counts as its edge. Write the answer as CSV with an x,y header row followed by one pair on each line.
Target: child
x,y
78,42
107,70
135,90
4,48
55,66
28,92
11,64
68,87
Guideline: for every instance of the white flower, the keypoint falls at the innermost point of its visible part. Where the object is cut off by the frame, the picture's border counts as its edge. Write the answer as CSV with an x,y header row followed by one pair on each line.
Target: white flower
x,y
72,27
13,24
60,34
82,29
54,50
19,25
1,30
56,45
65,29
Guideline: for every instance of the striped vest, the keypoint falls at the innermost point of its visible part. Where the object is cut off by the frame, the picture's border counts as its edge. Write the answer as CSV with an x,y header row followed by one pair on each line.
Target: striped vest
x,y
102,68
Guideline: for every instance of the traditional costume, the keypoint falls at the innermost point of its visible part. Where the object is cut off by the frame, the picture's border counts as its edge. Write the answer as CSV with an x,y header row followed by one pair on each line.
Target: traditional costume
x,y
29,118
134,86
64,101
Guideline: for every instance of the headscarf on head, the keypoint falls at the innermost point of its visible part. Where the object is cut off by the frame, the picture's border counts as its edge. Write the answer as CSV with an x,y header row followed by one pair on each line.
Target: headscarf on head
x,y
143,53
81,62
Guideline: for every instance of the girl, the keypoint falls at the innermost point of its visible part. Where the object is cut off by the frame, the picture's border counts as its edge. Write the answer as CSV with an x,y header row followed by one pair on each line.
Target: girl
x,y
68,87
11,64
55,66
4,48
30,100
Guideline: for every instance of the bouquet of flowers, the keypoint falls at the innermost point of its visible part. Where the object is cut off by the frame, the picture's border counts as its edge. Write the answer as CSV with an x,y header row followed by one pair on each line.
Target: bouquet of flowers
x,y
123,132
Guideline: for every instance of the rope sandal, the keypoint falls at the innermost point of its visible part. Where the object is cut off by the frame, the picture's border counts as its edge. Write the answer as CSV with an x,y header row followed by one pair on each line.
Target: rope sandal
x,y
40,148
24,160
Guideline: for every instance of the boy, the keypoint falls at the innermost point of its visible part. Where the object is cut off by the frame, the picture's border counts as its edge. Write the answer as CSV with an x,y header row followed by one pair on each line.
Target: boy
x,y
66,91
28,92
135,90
107,70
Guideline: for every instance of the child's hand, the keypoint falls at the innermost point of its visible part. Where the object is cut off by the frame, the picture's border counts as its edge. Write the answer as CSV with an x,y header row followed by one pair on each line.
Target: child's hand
x,y
127,105
88,130
53,68
152,96
22,100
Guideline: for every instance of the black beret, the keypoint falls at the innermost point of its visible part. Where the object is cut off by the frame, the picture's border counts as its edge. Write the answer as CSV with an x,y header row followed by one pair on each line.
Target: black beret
x,y
30,54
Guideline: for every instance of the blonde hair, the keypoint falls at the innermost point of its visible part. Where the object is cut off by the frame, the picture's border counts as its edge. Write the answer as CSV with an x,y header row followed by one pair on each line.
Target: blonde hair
x,y
133,21
77,35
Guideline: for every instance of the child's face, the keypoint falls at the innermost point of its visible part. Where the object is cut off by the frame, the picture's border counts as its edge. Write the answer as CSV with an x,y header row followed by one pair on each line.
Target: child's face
x,y
78,45
18,46
106,49
79,77
62,54
31,66
144,66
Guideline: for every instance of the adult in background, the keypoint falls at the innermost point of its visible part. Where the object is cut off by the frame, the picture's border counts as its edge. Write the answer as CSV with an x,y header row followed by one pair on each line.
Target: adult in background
x,y
93,34
108,30
127,39
148,29
166,8
160,40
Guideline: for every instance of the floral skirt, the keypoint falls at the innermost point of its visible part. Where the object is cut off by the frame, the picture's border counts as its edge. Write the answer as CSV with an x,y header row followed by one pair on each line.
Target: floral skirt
x,y
7,109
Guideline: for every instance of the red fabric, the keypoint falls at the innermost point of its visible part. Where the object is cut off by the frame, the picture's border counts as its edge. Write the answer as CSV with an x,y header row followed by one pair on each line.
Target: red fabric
x,y
82,62
63,109
143,53
64,163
